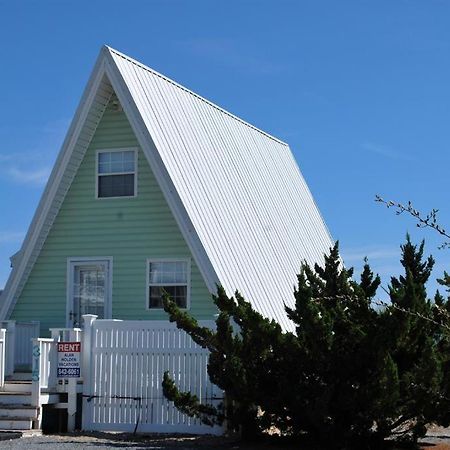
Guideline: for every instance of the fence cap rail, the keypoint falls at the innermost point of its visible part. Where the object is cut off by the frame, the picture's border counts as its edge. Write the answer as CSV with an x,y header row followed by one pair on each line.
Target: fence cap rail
x,y
145,324
43,340
65,329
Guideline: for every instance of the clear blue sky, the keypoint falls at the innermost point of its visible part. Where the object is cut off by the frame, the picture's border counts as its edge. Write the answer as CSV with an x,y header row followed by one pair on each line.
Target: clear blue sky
x,y
359,89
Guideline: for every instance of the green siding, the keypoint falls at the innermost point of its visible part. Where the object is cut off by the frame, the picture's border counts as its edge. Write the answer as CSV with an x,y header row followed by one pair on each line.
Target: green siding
x,y
129,229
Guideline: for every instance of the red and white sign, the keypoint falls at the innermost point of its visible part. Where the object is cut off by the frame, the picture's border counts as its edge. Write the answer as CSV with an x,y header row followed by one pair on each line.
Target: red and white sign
x,y
69,360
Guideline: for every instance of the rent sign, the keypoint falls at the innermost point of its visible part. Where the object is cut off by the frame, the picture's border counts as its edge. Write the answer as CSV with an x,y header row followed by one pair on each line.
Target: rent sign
x,y
69,359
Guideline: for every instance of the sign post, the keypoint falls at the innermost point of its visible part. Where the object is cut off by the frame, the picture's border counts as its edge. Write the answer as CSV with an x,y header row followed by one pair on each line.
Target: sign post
x,y
69,367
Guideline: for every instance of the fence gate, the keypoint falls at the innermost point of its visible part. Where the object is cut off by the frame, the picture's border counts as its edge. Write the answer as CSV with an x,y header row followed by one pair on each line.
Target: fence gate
x,y
18,344
123,373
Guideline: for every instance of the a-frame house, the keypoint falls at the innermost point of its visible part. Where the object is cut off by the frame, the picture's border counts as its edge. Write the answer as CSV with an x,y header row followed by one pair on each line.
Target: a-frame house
x,y
156,187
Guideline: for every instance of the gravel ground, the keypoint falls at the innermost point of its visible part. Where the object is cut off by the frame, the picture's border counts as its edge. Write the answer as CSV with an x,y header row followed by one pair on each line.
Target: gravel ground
x,y
437,439
114,441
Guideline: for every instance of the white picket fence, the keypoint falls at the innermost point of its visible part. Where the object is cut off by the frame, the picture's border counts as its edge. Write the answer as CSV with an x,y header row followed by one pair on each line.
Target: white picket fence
x,y
123,363
123,367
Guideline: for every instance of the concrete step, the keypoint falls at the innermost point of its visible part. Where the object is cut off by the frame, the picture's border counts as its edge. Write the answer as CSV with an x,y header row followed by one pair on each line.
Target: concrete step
x,y
15,423
17,386
9,398
16,410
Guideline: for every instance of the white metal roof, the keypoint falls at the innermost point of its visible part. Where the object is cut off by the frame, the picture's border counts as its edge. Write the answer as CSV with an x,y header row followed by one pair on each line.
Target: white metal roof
x,y
241,188
235,191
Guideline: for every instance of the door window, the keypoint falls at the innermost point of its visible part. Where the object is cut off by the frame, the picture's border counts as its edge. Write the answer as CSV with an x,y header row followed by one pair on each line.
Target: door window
x,y
89,291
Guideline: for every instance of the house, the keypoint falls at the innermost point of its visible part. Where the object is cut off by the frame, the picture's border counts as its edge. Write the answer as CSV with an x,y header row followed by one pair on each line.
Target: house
x,y
156,187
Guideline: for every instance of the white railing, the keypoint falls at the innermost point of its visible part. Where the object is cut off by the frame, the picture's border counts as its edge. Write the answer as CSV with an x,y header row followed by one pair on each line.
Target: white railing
x,y
43,367
10,339
2,356
44,361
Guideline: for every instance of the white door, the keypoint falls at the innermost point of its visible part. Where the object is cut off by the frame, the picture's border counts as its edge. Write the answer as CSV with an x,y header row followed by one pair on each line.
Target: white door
x,y
89,290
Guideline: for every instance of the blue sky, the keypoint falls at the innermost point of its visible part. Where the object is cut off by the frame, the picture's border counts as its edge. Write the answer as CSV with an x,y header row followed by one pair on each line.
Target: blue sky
x,y
359,89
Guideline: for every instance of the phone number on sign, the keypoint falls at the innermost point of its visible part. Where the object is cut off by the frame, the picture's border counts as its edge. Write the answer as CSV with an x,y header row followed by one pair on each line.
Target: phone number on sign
x,y
62,372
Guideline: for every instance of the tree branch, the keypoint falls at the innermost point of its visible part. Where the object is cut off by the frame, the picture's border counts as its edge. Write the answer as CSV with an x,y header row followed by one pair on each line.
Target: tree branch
x,y
423,221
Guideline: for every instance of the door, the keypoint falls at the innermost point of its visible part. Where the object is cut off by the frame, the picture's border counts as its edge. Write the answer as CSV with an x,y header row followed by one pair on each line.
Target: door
x,y
89,290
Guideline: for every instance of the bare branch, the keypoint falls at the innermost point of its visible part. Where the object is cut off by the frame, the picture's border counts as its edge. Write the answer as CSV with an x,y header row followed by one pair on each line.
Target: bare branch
x,y
444,322
423,221
416,314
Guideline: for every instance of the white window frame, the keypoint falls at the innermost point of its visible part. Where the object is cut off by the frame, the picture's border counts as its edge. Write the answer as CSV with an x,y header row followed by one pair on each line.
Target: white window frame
x,y
135,173
188,285
73,261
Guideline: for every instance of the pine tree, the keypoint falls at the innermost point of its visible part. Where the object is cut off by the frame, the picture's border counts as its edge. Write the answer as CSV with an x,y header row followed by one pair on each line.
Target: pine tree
x,y
349,377
245,364
348,381
412,344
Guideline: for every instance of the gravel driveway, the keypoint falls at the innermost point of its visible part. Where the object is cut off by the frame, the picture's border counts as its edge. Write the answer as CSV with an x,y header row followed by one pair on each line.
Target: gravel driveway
x,y
438,439
114,441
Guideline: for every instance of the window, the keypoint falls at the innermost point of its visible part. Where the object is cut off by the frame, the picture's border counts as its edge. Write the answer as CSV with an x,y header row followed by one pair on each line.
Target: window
x,y
170,276
116,173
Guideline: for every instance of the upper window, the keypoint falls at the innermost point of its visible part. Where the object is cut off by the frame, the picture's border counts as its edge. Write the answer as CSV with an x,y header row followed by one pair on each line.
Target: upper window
x,y
169,276
116,173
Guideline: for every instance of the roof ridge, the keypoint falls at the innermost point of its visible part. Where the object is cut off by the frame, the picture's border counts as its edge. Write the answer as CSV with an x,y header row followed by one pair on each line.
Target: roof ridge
x,y
209,102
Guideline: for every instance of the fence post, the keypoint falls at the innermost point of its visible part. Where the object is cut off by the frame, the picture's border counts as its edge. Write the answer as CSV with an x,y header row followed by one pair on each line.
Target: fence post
x,y
36,373
2,356
86,347
53,361
74,336
10,352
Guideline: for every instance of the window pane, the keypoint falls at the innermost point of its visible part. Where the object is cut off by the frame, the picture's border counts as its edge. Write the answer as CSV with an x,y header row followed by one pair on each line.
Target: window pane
x,y
128,157
116,157
128,166
116,185
104,167
168,272
104,157
155,300
116,162
116,167
177,293
105,186
155,270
